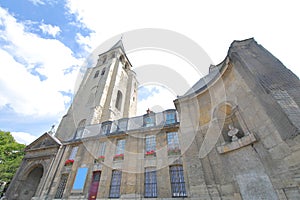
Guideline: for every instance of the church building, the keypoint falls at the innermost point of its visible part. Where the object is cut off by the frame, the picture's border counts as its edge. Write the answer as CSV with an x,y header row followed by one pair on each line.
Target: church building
x,y
234,135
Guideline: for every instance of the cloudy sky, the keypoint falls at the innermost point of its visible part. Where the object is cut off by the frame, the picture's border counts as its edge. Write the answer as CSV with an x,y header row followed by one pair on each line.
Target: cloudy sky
x,y
43,44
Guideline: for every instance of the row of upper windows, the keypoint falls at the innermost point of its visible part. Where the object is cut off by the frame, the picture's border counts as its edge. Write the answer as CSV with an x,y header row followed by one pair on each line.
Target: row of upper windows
x,y
121,125
150,147
150,182
148,121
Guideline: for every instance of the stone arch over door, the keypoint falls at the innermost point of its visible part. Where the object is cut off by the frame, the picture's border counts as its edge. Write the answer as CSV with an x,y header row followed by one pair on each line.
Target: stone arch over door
x,y
31,182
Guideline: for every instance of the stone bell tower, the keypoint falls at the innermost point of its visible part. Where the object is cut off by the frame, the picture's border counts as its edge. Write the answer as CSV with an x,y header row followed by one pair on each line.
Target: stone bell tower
x,y
107,92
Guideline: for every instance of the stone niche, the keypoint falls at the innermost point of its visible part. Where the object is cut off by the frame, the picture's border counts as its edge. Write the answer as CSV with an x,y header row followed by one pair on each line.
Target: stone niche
x,y
233,128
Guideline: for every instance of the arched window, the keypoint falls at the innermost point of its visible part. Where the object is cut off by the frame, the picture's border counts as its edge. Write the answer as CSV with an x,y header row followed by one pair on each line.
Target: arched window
x,y
96,74
119,100
103,71
81,124
80,129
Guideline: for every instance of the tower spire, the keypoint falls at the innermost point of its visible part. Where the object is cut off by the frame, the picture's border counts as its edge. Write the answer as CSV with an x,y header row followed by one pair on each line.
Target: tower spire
x,y
119,44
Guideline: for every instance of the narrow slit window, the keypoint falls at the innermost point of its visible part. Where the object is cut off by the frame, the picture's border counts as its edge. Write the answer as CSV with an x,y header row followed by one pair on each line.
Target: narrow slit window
x,y
96,74
119,100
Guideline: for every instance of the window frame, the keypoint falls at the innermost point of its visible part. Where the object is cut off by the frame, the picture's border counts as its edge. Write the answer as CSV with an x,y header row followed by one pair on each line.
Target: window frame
x,y
178,187
149,120
170,120
73,153
150,144
115,184
61,186
105,127
119,100
96,74
120,148
150,182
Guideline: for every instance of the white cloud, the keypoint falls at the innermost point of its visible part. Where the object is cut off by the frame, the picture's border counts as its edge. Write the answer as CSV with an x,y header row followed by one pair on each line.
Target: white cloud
x,y
49,29
157,101
212,24
37,2
24,92
23,138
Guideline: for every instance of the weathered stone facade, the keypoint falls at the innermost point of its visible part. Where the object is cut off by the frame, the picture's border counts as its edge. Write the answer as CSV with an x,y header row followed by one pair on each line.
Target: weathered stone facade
x,y
238,138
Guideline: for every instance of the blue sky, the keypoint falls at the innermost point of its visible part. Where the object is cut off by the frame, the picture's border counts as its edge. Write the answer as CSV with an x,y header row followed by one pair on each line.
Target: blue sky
x,y
43,43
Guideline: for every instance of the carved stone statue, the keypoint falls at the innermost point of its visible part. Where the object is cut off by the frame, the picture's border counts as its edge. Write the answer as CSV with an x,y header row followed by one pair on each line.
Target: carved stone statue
x,y
233,132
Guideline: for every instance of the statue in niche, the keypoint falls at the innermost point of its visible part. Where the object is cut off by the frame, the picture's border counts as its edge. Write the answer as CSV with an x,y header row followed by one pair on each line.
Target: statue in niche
x,y
233,132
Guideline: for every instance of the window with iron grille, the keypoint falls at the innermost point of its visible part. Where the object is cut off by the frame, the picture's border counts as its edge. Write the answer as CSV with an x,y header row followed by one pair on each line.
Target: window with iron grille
x,y
150,144
177,181
115,184
150,182
61,186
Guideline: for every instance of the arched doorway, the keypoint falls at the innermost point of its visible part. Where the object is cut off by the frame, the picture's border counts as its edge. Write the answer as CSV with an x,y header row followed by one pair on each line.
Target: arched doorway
x,y
31,183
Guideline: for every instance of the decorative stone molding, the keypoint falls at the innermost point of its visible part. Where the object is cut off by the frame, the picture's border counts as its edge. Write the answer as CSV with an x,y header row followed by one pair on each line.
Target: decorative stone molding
x,y
241,142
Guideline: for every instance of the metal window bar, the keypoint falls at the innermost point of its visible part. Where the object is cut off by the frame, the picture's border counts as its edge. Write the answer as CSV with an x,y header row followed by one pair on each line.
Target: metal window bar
x,y
150,183
115,184
177,181
61,186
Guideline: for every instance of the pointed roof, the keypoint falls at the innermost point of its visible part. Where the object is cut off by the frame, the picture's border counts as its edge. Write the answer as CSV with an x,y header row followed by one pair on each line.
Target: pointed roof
x,y
119,44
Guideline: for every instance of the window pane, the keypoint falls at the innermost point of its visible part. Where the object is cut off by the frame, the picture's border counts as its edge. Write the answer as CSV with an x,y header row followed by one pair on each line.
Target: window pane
x,y
105,129
150,183
115,184
80,178
120,146
119,100
149,120
122,125
170,118
96,74
150,143
102,148
61,186
73,153
173,141
177,181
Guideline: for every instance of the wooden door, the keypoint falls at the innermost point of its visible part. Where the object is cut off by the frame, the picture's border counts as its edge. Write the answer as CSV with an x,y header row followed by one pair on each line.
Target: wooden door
x,y
94,185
